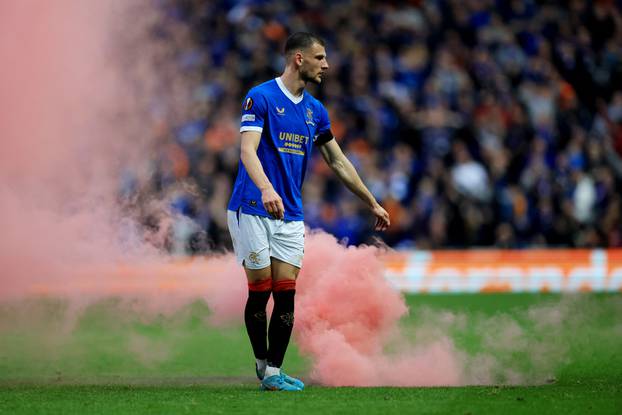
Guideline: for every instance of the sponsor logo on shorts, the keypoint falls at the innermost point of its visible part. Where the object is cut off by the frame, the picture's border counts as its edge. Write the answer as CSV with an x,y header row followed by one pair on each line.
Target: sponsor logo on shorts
x,y
253,203
248,117
253,257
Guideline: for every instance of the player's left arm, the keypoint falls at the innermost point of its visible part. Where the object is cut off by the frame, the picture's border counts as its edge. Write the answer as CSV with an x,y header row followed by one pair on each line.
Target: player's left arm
x,y
343,168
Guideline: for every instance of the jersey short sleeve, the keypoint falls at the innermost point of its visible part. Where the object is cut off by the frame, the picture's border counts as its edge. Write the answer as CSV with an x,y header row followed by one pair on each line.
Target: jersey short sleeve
x,y
323,134
253,112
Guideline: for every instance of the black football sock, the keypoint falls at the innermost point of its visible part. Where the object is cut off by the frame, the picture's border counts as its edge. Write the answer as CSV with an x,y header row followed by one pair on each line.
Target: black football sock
x,y
256,322
281,325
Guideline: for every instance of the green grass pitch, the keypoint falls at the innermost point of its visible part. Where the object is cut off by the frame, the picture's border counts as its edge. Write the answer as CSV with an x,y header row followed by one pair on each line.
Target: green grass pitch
x,y
115,360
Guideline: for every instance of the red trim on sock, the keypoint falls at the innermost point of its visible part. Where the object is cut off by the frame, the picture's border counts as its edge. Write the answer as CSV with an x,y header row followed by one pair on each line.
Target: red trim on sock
x,y
283,285
261,285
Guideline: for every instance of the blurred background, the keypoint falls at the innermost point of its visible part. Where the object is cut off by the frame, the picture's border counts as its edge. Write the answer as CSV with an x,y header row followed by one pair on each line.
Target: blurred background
x,y
476,123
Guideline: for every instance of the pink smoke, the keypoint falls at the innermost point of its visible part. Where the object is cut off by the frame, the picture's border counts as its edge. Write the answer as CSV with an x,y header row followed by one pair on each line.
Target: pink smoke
x,y
69,121
347,314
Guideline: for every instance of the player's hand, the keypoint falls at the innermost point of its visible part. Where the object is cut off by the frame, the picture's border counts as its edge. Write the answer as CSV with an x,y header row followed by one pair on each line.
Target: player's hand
x,y
382,217
273,203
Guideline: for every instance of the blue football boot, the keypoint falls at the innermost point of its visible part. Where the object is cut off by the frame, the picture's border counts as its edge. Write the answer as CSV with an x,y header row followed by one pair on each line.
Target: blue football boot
x,y
292,380
278,383
289,379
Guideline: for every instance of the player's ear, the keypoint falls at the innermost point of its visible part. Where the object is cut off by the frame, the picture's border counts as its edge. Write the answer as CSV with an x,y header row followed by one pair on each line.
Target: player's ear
x,y
298,58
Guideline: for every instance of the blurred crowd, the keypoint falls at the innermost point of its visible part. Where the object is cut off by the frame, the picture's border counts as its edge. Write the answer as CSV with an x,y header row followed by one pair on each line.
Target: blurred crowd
x,y
474,122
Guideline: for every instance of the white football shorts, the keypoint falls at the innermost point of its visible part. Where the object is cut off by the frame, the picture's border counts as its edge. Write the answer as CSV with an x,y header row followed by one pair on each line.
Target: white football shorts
x,y
257,238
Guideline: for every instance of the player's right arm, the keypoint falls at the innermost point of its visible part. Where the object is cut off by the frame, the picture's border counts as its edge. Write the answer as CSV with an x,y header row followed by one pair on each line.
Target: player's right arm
x,y
272,202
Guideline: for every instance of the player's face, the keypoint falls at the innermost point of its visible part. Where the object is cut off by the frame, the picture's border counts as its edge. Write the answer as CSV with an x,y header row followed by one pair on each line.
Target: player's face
x,y
314,64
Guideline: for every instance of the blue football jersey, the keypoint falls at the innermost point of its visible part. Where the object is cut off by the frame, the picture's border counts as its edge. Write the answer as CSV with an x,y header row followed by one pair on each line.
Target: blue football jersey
x,y
289,125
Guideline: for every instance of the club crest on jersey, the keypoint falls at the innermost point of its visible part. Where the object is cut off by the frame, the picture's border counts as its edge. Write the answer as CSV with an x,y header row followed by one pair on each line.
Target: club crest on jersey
x,y
280,111
310,117
248,104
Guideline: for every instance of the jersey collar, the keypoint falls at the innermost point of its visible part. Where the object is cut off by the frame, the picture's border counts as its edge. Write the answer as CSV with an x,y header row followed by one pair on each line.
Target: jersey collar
x,y
283,88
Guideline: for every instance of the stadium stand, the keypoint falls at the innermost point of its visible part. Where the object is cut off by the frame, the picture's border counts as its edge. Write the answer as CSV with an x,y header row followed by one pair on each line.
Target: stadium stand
x,y
476,123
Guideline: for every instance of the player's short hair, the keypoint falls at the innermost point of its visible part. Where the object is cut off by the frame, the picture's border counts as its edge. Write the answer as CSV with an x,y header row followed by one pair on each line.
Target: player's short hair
x,y
301,40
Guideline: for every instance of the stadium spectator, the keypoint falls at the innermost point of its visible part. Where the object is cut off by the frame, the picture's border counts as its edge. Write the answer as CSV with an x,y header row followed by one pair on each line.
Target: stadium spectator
x,y
486,123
